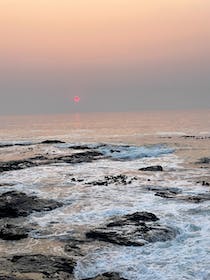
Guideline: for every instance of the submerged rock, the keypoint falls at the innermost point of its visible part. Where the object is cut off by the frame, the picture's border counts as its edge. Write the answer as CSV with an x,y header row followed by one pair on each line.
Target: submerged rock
x,y
152,168
13,232
14,204
107,276
135,229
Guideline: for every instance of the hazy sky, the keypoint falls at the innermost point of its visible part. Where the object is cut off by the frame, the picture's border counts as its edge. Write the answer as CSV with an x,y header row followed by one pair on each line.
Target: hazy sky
x,y
117,55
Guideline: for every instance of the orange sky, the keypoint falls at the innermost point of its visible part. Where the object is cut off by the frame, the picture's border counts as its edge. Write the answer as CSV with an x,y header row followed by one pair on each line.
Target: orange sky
x,y
43,32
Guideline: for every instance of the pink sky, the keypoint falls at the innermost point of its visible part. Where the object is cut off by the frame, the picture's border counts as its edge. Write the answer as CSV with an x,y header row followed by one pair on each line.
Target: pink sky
x,y
104,43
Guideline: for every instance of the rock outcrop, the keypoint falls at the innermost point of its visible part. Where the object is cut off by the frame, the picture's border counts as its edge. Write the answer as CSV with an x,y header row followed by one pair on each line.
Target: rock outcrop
x,y
135,229
14,204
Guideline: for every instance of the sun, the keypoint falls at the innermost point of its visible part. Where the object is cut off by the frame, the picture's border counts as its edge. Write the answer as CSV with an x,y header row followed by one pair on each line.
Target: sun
x,y
76,99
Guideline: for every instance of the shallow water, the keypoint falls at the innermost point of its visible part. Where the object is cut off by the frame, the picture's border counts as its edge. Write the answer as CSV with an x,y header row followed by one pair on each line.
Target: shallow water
x,y
87,205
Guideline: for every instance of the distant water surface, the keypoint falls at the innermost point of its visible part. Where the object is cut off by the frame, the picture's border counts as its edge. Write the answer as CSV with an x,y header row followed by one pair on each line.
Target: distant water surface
x,y
94,127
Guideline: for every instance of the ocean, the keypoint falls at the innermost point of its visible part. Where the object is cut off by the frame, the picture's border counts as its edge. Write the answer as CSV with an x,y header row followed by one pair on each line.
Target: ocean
x,y
109,184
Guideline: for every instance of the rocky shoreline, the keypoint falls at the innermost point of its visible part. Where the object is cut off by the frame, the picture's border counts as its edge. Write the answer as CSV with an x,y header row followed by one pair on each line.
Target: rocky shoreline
x,y
133,229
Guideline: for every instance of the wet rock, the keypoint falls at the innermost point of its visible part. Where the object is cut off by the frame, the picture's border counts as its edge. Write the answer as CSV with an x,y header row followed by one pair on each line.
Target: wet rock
x,y
135,229
195,137
52,142
50,267
16,165
204,160
116,180
87,156
189,198
7,277
12,232
40,160
74,247
107,276
152,168
204,183
163,189
14,204
80,147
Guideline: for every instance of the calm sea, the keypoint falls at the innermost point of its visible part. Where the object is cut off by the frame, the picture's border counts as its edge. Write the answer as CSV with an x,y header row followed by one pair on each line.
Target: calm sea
x,y
128,127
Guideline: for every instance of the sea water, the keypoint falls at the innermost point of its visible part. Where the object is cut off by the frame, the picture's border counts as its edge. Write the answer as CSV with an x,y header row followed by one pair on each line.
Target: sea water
x,y
128,142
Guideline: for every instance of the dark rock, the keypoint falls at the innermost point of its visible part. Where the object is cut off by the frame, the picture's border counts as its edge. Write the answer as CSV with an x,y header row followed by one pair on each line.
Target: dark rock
x,y
204,160
117,180
190,198
38,158
13,232
9,277
204,183
132,230
152,168
74,246
14,204
52,142
171,191
87,156
80,147
16,165
107,276
141,216
46,265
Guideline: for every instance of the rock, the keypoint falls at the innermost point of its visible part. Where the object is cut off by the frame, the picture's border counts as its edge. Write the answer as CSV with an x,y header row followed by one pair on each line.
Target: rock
x,y
116,180
152,168
74,247
204,160
16,165
87,156
13,232
14,204
52,142
135,229
190,198
204,183
50,267
81,157
80,147
163,189
107,276
7,277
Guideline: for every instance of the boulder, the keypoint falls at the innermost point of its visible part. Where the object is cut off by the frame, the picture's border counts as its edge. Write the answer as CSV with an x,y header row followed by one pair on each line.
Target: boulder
x,y
135,229
14,204
13,232
43,266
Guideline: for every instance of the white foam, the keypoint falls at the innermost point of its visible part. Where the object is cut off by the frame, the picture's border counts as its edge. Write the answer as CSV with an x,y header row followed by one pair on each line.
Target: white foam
x,y
88,205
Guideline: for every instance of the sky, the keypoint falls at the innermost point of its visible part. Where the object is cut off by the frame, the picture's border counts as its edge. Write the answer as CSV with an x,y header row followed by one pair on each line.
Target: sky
x,y
116,55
